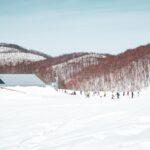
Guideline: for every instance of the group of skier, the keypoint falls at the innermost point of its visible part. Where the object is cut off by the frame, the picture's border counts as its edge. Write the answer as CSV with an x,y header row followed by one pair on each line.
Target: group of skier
x,y
118,94
101,94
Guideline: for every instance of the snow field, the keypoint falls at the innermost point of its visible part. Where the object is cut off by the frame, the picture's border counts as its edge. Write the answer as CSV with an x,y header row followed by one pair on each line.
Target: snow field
x,y
38,118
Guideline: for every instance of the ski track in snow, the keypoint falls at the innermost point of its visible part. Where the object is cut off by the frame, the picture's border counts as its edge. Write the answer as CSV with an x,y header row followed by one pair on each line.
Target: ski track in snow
x,y
34,118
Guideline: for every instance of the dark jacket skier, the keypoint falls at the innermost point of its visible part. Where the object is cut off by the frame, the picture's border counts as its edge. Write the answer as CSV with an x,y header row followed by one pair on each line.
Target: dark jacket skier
x,y
118,95
132,94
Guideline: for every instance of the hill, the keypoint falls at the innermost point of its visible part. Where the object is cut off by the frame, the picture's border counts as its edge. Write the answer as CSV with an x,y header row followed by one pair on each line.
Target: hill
x,y
129,70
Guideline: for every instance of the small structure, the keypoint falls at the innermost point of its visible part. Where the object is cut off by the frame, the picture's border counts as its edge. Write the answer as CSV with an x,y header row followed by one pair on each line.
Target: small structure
x,y
20,80
1,82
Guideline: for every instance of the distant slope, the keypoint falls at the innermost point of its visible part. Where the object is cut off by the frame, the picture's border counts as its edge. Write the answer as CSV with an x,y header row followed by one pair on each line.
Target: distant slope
x,y
129,70
71,67
11,54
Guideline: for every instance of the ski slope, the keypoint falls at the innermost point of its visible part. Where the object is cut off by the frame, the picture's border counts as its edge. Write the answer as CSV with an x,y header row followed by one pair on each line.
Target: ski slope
x,y
36,118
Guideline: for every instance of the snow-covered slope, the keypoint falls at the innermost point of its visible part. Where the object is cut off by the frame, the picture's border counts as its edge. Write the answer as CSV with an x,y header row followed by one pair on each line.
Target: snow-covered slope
x,y
71,67
33,118
14,58
4,49
13,55
129,70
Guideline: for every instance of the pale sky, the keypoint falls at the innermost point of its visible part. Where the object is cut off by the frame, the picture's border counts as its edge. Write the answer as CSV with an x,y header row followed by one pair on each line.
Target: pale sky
x,y
64,26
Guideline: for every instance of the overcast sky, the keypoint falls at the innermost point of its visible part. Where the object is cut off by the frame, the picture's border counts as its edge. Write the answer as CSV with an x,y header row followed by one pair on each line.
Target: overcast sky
x,y
63,26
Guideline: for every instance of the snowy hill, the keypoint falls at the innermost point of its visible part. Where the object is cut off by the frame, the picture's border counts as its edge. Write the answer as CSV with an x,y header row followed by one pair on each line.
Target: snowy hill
x,y
129,70
126,71
71,67
13,54
33,118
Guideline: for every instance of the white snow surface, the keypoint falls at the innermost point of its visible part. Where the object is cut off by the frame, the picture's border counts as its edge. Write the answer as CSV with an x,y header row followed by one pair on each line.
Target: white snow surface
x,y
39,118
4,49
82,59
14,56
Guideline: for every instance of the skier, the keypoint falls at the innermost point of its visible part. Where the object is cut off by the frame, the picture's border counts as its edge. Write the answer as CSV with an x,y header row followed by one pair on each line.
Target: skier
x,y
100,94
132,94
73,93
104,94
88,94
118,95
123,93
113,96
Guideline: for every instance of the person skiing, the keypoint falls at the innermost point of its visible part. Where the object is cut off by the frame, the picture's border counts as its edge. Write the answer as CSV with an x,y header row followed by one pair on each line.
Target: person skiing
x,y
123,93
88,94
113,96
100,94
132,94
118,95
104,94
